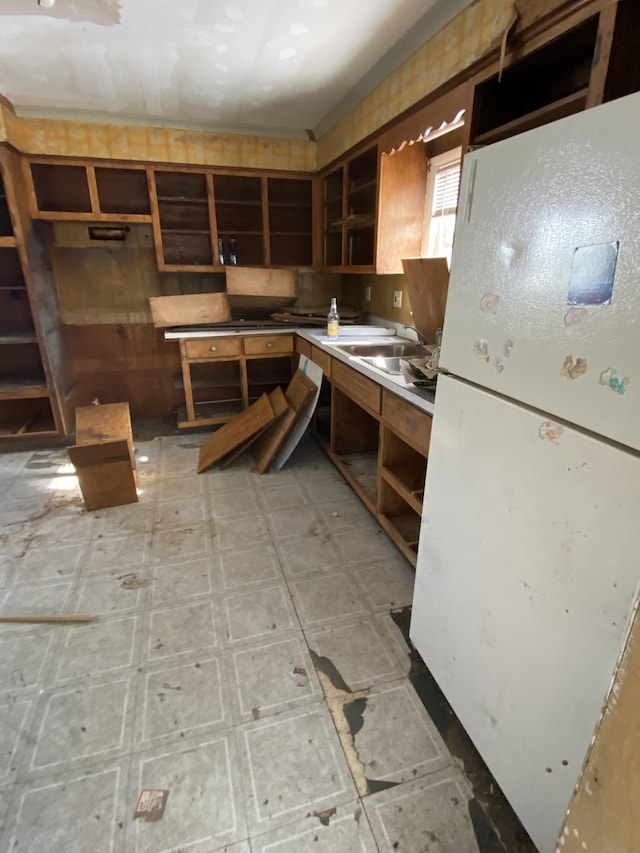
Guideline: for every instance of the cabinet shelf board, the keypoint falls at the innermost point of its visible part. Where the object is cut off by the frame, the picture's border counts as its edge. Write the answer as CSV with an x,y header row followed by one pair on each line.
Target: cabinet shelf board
x,y
363,187
290,233
7,242
295,205
185,230
181,199
18,338
407,495
238,202
22,387
550,112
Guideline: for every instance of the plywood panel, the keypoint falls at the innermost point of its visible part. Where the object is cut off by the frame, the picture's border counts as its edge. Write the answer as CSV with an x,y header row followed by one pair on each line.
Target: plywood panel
x,y
104,474
427,283
603,814
254,281
192,309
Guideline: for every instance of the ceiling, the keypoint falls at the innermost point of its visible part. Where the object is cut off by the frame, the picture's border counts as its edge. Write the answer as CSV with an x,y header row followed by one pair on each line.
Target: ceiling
x,y
278,67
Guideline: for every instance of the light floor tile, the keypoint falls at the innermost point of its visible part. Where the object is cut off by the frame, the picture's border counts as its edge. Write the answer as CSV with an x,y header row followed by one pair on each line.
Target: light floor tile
x,y
100,595
99,647
259,613
305,521
397,741
122,520
345,514
36,599
14,719
344,829
364,546
249,567
183,629
326,486
117,554
387,584
180,489
238,533
23,660
179,513
204,809
321,598
182,699
293,765
183,543
277,497
362,652
274,677
182,581
69,814
234,504
85,721
48,563
307,556
426,814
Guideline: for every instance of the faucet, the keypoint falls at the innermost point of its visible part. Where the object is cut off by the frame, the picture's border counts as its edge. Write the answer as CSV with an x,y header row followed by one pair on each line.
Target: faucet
x,y
422,338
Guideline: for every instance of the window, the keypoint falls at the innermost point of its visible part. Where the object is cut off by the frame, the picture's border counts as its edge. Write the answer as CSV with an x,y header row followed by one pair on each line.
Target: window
x,y
443,184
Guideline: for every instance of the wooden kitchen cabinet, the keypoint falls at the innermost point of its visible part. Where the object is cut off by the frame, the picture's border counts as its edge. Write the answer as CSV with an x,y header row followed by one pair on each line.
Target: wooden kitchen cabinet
x,y
33,379
583,61
94,192
182,202
223,375
373,210
380,444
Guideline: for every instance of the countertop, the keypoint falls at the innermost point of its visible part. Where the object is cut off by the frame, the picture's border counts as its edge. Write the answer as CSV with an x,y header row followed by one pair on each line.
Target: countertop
x,y
418,397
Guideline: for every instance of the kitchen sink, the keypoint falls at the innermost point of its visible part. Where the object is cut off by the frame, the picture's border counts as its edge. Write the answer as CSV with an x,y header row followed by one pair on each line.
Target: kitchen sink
x,y
384,351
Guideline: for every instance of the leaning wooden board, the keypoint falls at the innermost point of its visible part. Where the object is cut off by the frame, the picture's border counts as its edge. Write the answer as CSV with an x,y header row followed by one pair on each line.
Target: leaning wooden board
x,y
300,391
260,281
236,432
427,284
189,310
280,407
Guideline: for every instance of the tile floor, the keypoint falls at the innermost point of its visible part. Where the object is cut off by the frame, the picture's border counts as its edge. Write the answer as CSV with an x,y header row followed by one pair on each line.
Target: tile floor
x,y
242,656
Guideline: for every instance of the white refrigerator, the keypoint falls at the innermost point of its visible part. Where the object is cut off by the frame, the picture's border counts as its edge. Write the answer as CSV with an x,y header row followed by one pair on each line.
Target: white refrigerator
x,y
529,558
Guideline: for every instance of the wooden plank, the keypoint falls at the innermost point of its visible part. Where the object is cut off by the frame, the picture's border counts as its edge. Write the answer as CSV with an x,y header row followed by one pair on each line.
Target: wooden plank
x,y
105,475
72,617
190,309
236,432
427,285
280,407
298,394
253,281
603,814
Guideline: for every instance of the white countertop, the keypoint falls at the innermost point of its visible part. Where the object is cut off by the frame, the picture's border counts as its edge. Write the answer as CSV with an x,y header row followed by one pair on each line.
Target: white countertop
x,y
418,397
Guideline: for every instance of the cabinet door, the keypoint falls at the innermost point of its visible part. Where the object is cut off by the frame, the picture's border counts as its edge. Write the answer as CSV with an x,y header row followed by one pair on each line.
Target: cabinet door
x,y
182,225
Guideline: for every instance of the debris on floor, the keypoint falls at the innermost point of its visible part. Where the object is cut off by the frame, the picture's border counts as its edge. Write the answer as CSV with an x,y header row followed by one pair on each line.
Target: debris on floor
x,y
151,804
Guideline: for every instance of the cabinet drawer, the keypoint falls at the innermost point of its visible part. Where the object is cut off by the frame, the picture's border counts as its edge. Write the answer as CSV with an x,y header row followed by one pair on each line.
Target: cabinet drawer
x,y
323,360
303,347
212,347
358,387
267,344
411,424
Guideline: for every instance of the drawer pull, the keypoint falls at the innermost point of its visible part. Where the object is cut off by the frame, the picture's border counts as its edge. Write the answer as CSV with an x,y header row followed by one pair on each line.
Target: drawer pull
x,y
213,349
269,344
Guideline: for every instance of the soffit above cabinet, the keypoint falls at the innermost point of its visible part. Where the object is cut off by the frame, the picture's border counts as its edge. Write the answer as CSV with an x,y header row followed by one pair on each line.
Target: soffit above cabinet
x,y
273,67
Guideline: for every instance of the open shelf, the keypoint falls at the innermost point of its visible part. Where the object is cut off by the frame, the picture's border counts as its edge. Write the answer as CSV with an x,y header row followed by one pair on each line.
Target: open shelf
x,y
122,190
403,469
23,385
24,416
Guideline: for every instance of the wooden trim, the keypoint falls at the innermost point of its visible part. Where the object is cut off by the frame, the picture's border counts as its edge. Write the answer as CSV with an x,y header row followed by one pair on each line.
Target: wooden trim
x,y
213,219
93,191
266,230
155,218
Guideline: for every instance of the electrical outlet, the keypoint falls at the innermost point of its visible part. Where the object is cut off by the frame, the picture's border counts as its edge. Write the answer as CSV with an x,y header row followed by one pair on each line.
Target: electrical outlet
x,y
397,299
367,293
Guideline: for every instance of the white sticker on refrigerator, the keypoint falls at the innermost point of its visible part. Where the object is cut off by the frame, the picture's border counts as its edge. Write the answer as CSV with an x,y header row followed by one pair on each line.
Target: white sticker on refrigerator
x,y
592,273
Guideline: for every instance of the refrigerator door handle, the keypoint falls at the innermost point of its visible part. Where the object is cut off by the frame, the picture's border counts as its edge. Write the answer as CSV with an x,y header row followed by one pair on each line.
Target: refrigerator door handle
x,y
470,189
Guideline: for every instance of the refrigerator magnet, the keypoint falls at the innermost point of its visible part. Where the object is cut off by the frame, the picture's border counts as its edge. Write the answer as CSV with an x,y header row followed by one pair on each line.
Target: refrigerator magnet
x,y
592,272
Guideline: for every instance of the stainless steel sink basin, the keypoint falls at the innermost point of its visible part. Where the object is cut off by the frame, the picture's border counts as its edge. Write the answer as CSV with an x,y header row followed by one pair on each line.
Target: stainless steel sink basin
x,y
384,351
389,365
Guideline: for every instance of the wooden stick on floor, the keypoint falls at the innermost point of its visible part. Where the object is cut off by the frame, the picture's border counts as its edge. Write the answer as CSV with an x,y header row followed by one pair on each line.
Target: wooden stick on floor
x,y
35,618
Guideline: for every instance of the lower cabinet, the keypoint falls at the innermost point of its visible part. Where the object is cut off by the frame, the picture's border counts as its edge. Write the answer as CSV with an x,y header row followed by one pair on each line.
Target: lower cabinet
x,y
223,375
380,444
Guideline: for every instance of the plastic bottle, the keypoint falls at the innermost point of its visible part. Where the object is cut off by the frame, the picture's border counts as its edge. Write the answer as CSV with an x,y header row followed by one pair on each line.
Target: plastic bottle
x,y
221,250
233,252
333,320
